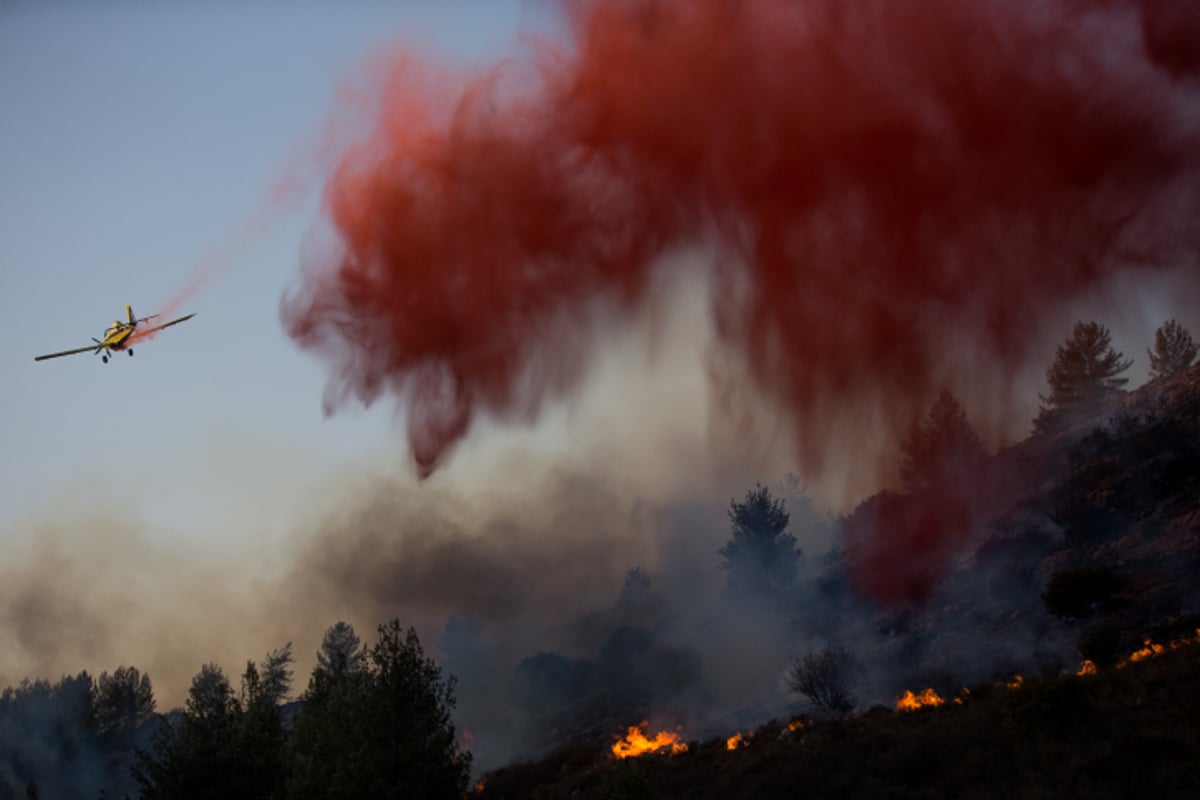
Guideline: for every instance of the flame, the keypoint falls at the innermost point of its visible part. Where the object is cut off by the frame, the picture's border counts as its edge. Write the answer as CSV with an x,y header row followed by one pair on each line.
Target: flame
x,y
1088,667
479,785
963,696
911,702
795,725
737,740
1015,683
635,743
1150,649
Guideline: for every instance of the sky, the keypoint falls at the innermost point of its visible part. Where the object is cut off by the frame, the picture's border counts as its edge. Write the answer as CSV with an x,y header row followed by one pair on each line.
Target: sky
x,y
137,144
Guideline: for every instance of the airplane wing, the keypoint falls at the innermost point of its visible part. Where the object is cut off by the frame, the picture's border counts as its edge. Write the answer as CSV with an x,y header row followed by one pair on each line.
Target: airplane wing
x,y
66,353
168,324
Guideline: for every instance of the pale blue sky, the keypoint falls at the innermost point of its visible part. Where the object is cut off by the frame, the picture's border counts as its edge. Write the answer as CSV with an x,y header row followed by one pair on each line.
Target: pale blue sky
x,y
135,138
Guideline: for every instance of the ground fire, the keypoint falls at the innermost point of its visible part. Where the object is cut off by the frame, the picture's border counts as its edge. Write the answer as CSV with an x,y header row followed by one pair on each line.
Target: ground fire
x,y
1150,649
636,743
911,702
738,740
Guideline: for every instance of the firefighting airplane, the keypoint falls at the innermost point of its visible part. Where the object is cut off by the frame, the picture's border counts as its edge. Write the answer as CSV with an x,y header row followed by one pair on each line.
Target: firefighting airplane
x,y
117,336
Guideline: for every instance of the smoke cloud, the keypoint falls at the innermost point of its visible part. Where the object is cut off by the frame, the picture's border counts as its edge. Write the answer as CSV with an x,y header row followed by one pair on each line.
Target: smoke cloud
x,y
899,195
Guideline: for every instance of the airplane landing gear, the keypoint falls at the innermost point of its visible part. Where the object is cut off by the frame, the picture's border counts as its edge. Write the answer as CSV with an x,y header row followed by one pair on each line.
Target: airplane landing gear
x,y
104,359
131,352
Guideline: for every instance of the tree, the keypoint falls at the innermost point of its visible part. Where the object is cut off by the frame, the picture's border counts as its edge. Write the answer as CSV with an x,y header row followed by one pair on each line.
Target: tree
x,y
277,674
341,650
1174,350
260,737
825,677
124,701
761,556
1084,374
940,448
379,727
195,758
224,745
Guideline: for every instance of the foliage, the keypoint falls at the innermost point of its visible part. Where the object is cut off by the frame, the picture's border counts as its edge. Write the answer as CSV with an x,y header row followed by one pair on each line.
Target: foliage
x,y
1085,372
123,701
826,678
341,650
1174,350
1073,593
761,556
940,448
224,744
380,728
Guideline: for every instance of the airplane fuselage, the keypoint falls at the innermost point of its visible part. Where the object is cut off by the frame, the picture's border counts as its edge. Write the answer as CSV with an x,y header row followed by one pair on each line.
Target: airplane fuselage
x,y
117,336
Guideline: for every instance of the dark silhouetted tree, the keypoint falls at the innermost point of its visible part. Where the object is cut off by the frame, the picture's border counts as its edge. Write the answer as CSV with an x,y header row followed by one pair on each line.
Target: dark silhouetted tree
x,y
47,744
341,650
761,556
123,701
826,678
224,745
1085,373
260,737
195,758
1174,350
380,728
941,448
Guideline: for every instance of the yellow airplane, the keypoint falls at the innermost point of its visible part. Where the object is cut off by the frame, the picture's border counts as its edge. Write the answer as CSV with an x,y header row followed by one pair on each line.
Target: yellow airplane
x,y
117,336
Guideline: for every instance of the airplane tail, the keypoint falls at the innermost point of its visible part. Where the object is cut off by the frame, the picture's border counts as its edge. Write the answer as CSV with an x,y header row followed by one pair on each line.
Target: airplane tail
x,y
129,314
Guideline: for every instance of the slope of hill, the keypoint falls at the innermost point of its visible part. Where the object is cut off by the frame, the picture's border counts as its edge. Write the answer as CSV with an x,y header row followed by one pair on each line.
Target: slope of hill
x,y
1090,543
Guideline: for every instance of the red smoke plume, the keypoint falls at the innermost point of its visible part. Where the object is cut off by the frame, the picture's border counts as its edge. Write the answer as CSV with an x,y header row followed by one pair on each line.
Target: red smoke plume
x,y
884,180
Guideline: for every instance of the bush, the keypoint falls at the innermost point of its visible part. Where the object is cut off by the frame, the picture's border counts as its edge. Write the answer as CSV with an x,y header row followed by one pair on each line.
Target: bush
x,y
1073,593
825,677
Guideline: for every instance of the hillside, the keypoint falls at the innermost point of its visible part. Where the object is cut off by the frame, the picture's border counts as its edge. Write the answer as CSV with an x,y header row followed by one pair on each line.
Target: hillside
x,y
1090,544
1120,733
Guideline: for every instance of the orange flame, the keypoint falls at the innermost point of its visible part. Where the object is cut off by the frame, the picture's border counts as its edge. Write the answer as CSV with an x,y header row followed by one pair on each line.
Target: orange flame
x,y
795,725
911,702
635,743
1148,650
1015,683
737,740
479,786
1151,650
963,696
1088,667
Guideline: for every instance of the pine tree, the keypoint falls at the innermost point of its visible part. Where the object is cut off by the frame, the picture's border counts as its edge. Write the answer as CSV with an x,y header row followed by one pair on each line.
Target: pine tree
x,y
1174,350
761,556
123,701
1085,373
378,726
941,448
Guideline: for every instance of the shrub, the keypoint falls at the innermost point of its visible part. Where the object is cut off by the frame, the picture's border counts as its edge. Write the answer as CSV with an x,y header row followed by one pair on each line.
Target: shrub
x,y
825,677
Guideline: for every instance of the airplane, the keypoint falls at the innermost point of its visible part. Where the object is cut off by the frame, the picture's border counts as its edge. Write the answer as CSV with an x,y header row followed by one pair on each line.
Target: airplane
x,y
117,336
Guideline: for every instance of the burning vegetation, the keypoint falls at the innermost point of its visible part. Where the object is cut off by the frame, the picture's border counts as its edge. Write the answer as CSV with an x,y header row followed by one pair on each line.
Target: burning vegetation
x,y
927,698
636,743
740,740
